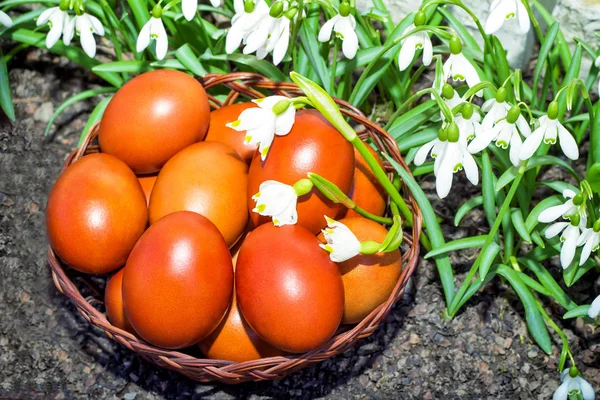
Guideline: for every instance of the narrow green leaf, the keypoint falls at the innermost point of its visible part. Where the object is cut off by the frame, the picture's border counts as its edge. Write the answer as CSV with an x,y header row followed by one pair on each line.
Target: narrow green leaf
x,y
487,258
487,188
187,57
517,220
466,207
535,321
593,177
261,66
5,95
549,283
545,49
533,284
572,73
534,162
580,311
311,47
74,99
433,229
560,186
140,11
537,239
463,33
95,116
132,66
418,139
413,119
459,244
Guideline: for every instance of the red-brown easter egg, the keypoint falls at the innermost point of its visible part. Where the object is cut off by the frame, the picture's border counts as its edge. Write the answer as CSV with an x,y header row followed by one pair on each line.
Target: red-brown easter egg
x,y
178,281
209,178
313,145
288,289
366,190
113,301
152,117
147,183
96,212
368,279
218,132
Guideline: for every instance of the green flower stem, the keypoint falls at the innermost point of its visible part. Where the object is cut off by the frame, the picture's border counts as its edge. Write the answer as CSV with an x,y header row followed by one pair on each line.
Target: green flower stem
x,y
364,213
336,50
534,22
453,309
552,324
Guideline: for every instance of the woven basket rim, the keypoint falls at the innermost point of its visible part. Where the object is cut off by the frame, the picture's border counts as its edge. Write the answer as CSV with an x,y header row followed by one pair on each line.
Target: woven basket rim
x,y
273,368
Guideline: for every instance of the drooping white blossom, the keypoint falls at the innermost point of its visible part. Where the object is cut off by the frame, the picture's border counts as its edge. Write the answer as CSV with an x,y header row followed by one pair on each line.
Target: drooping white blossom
x,y
57,19
278,201
573,385
410,45
565,210
458,67
154,29
248,16
549,131
504,10
570,232
342,244
506,133
449,150
594,309
272,35
262,124
85,26
344,28
590,240
496,109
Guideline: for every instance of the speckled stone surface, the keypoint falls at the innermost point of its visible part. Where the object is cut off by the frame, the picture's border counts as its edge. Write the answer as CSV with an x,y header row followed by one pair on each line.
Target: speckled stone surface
x,y
48,351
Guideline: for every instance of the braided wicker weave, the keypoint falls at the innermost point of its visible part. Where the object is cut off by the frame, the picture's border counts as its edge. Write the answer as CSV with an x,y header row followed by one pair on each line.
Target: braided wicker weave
x,y
249,85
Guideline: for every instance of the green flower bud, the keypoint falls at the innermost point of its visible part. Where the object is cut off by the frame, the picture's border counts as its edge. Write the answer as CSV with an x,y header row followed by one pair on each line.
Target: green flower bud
x,y
249,6
467,110
276,9
302,187
281,107
513,114
575,220
455,45
501,95
64,5
442,135
553,110
573,372
447,91
597,226
453,133
578,199
420,18
291,13
157,11
345,9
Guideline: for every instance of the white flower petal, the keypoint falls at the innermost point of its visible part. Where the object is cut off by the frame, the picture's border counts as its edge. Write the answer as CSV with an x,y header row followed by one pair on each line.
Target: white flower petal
x,y
326,29
586,389
515,148
407,53
143,39
88,43
497,17
594,310
69,31
553,213
523,18
470,167
562,392
162,42
567,251
532,143
567,142
285,121
555,229
345,26
5,19
189,8
423,151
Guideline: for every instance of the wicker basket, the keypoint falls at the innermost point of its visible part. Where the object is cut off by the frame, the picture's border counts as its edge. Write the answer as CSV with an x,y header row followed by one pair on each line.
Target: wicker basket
x,y
273,368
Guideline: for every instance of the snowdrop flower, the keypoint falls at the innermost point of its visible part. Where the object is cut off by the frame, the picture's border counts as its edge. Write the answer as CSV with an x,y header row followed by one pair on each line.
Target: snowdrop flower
x,y
344,26
189,8
458,67
342,244
5,19
154,30
248,16
57,19
468,122
277,200
504,133
594,310
414,42
550,127
572,383
275,115
570,237
503,10
86,26
272,35
449,150
573,206
590,240
496,109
